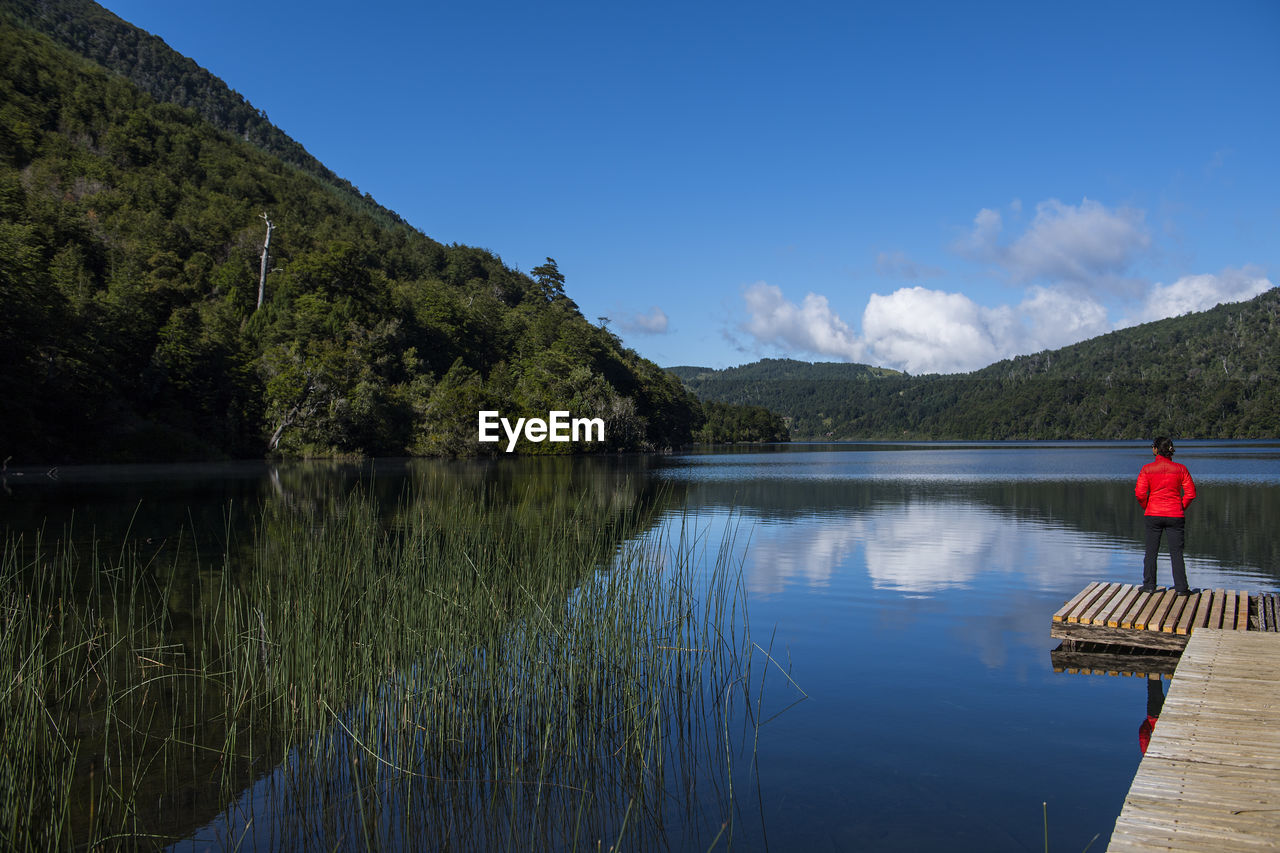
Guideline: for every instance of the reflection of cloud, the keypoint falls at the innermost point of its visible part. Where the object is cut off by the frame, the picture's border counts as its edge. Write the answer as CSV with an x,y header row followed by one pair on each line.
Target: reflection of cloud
x,y
799,551
920,547
927,547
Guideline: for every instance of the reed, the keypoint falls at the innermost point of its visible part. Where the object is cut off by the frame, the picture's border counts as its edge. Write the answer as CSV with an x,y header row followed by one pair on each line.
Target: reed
x,y
472,669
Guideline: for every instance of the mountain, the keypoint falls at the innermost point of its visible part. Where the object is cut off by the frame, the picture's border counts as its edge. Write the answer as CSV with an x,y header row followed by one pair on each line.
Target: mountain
x,y
139,320
1212,374
783,369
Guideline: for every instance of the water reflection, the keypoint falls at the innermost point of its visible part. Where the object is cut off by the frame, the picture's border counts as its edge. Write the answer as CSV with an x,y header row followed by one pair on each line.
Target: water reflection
x,y
1229,526
477,581
1155,704
907,589
920,547
211,509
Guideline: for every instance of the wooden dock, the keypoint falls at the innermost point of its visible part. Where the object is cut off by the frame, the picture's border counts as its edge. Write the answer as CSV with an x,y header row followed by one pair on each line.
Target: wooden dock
x,y
1210,779
1122,614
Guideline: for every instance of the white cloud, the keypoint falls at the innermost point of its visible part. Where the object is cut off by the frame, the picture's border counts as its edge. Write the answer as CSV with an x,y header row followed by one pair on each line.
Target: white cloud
x,y
1200,293
980,243
925,331
654,322
811,327
1054,318
1086,245
929,331
1072,260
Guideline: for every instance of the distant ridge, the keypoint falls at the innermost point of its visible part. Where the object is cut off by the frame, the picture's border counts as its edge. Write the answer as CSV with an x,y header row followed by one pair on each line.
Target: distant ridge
x,y
785,368
1211,374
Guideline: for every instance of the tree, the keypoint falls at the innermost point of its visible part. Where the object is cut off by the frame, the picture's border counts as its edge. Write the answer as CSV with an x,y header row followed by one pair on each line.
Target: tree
x,y
549,279
266,247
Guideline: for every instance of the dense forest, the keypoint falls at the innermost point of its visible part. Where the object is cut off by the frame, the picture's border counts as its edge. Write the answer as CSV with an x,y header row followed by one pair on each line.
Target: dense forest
x,y
727,423
1212,374
180,280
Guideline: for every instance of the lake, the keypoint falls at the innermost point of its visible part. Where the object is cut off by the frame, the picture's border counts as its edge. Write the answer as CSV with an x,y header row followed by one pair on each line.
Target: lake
x,y
898,596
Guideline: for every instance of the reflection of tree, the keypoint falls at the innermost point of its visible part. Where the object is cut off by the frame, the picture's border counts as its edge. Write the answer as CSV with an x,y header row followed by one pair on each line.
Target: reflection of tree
x,y
175,514
205,662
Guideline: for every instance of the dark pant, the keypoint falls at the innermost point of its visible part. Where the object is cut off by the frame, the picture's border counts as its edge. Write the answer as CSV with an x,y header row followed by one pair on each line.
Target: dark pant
x,y
1156,526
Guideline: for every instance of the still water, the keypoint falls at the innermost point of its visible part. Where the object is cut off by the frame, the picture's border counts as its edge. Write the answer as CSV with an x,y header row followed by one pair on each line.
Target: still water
x,y
905,589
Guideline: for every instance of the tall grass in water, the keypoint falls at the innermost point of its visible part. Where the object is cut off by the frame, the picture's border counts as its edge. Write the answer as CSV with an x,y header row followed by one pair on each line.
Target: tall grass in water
x,y
475,671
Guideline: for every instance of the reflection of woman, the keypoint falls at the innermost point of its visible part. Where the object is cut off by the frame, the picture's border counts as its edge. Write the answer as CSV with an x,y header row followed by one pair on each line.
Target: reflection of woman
x,y
1165,489
1155,703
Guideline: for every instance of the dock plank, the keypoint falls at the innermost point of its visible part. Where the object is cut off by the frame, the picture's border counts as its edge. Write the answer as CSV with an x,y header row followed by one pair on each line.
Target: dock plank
x,y
1123,604
1166,605
1204,610
1189,613
1210,779
1139,604
1076,601
1242,612
1219,606
1100,603
1148,611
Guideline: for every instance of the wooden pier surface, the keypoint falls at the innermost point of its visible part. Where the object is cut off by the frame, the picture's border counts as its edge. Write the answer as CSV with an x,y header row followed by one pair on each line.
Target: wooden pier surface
x,y
1210,779
1122,614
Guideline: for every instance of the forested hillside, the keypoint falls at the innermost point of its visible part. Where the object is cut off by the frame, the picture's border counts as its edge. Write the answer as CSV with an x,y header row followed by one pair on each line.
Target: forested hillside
x,y
785,369
97,34
131,324
729,424
1214,374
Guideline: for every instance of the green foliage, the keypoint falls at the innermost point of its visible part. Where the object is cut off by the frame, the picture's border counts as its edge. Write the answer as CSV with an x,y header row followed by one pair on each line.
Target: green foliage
x,y
1213,374
130,248
727,424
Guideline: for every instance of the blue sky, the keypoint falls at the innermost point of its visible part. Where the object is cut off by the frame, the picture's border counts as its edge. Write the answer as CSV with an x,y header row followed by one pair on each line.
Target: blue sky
x,y
924,186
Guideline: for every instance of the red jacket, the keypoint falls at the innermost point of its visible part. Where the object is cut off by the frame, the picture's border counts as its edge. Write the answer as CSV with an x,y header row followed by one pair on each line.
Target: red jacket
x,y
1165,488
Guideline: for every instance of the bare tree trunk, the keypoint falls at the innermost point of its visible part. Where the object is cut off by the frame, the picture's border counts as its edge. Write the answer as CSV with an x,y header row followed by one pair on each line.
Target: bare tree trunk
x,y
262,275
279,431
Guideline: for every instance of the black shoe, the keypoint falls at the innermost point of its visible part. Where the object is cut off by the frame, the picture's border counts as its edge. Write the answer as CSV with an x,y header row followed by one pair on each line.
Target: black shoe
x,y
1146,589
1187,592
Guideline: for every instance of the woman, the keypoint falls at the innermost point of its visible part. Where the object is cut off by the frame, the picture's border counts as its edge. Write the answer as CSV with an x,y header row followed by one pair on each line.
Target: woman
x,y
1165,490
